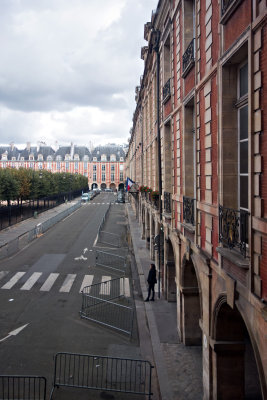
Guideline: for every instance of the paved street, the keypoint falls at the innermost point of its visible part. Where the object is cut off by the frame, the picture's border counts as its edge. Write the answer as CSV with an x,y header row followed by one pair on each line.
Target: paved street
x,y
40,291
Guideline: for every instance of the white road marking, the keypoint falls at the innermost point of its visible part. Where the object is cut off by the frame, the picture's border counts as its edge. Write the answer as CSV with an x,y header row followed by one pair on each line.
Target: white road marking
x,y
80,258
49,282
87,281
13,280
105,289
31,281
65,288
126,289
14,333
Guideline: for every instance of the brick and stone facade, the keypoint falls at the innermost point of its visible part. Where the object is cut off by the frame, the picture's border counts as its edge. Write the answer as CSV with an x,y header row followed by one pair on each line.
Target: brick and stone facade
x,y
198,137
104,165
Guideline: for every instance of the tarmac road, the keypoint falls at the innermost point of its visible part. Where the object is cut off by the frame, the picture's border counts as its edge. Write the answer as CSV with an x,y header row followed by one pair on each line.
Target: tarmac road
x,y
40,292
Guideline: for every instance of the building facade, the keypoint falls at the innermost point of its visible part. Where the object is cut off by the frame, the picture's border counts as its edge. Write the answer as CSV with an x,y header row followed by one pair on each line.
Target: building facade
x,y
104,166
198,139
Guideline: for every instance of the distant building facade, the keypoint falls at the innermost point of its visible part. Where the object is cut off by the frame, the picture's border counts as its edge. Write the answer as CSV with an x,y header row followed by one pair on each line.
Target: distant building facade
x,y
104,166
199,142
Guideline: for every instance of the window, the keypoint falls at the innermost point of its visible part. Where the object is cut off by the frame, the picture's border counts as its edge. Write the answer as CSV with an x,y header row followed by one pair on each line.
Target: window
x,y
22,158
94,167
94,176
31,157
13,158
112,177
67,164
76,157
103,167
76,165
189,36
103,177
85,165
49,165
40,157
49,158
103,157
58,158
121,176
94,159
4,157
112,168
4,164
58,166
67,157
243,136
112,157
31,165
40,165
121,158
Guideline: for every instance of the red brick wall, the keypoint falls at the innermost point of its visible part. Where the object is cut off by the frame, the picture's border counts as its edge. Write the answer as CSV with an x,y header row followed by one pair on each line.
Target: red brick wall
x,y
263,268
263,67
202,146
214,130
263,105
214,27
167,108
202,38
175,62
237,23
189,81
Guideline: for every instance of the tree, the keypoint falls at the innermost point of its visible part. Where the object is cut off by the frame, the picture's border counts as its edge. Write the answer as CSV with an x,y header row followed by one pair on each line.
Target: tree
x,y
9,185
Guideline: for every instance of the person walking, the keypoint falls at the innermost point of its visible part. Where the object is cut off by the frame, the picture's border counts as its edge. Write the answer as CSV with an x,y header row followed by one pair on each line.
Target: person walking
x,y
151,279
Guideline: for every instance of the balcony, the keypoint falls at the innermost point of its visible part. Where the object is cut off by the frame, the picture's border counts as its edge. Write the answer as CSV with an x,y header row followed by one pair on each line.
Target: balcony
x,y
233,228
166,91
167,203
189,57
227,9
189,210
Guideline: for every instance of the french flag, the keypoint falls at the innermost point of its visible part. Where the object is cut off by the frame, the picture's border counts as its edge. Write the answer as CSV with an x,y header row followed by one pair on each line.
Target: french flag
x,y
129,184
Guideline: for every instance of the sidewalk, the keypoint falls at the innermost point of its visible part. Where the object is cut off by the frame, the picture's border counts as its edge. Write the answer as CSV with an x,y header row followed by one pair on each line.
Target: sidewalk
x,y
179,367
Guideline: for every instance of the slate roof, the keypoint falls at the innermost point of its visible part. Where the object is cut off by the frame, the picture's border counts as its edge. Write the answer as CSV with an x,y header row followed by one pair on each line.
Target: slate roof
x,y
108,151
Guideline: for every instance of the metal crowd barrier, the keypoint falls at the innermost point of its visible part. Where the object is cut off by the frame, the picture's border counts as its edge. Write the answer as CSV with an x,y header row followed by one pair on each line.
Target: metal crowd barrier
x,y
109,260
16,387
114,374
109,238
105,303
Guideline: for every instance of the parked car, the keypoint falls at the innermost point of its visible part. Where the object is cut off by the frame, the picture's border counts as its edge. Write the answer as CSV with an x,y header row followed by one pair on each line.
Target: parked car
x,y
108,190
85,197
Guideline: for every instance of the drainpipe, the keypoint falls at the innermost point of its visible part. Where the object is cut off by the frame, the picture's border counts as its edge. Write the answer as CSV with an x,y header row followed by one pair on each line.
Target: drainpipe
x,y
156,49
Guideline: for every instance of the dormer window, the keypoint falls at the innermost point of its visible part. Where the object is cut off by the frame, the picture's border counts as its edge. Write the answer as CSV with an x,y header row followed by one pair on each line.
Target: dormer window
x,y
112,157
49,158
94,159
22,158
76,157
121,158
4,157
31,157
85,158
67,157
103,157
40,157
58,158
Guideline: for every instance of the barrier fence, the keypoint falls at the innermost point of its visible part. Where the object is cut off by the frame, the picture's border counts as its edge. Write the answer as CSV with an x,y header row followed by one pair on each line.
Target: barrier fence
x,y
10,215
105,303
111,261
15,387
109,238
102,373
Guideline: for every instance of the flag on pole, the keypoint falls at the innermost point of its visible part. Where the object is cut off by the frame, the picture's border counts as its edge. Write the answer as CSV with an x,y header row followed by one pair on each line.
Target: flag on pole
x,y
129,184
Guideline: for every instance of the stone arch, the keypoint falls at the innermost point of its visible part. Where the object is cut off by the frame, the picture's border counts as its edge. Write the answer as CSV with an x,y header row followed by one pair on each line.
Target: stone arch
x,y
112,187
103,186
237,367
170,272
94,186
191,305
121,186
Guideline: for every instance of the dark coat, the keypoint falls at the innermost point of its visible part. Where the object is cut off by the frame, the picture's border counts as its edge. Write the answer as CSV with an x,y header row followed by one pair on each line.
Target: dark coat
x,y
151,279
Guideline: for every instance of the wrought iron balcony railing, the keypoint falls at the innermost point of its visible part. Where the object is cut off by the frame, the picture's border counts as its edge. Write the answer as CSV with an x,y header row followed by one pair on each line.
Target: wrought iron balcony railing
x,y
166,91
167,202
189,210
233,228
225,6
189,56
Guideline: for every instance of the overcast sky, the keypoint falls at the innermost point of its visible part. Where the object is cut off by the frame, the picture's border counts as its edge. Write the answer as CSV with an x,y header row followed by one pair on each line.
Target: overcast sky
x,y
68,69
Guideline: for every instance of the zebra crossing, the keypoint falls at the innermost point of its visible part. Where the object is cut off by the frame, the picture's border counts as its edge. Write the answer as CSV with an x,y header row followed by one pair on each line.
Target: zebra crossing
x,y
52,278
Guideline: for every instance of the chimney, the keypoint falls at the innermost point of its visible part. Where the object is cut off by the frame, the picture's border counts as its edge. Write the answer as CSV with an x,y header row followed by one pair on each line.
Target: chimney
x,y
12,145
29,146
